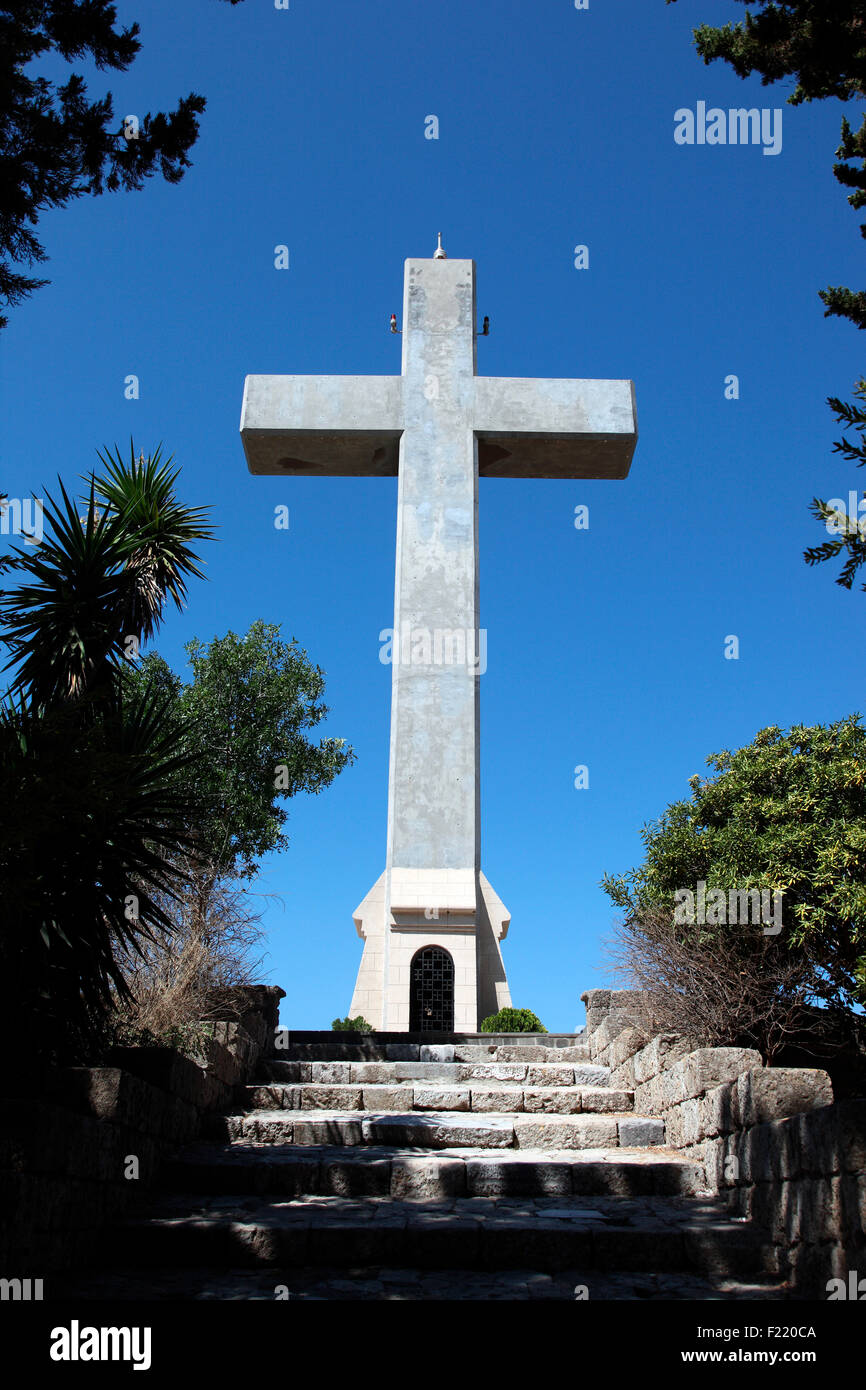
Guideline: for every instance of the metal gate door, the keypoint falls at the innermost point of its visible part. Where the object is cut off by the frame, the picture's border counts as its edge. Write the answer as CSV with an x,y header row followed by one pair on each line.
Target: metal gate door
x,y
431,992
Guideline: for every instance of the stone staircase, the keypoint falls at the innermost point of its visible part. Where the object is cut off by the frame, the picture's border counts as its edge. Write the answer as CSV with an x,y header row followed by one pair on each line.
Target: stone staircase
x,y
463,1170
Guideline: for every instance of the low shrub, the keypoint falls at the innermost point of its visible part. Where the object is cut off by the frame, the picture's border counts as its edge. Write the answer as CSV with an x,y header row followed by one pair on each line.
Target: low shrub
x,y
513,1021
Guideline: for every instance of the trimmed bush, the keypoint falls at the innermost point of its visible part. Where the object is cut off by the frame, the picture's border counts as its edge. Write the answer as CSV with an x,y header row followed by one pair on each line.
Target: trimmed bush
x,y
513,1021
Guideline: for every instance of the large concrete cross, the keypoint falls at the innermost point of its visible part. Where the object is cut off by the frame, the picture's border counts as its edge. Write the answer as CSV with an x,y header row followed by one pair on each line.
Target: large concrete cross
x,y
437,426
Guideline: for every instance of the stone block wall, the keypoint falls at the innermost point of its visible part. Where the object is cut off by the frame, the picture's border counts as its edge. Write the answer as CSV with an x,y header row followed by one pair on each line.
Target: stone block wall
x,y
772,1140
614,1010
73,1157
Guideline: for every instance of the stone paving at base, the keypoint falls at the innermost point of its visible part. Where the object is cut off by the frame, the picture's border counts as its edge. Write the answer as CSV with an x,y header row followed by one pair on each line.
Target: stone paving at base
x,y
413,1285
659,1234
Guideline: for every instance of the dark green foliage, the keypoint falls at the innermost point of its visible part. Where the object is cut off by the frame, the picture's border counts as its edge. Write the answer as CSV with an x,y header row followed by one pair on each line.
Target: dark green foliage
x,y
93,809
840,302
821,43
845,304
352,1025
849,532
95,589
55,143
513,1021
88,810
787,812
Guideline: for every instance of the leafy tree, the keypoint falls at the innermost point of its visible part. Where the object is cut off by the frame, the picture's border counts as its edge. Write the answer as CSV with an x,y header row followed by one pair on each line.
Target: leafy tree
x,y
822,44
849,532
92,806
513,1021
787,813
352,1025
55,143
243,721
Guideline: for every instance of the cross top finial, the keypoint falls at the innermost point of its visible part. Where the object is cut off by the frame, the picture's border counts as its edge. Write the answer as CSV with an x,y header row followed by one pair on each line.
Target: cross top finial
x,y
439,253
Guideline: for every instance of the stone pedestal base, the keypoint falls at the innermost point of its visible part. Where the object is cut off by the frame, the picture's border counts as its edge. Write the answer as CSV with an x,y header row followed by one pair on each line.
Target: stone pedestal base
x,y
409,909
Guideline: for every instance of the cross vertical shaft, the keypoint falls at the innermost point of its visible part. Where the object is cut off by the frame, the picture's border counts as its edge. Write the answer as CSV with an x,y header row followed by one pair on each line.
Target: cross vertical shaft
x,y
433,854
433,788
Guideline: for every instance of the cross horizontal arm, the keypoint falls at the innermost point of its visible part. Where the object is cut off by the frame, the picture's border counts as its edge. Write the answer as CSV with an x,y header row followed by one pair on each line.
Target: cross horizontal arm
x,y
341,426
551,427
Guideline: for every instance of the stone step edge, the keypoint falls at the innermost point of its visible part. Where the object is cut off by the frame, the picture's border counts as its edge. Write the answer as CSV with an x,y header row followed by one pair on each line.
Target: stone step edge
x,y
394,1052
285,1040
385,1073
475,1239
425,1039
437,1174
235,1151
439,1129
517,1098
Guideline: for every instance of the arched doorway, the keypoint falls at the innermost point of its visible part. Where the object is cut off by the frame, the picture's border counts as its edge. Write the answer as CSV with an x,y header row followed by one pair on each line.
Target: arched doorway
x,y
431,991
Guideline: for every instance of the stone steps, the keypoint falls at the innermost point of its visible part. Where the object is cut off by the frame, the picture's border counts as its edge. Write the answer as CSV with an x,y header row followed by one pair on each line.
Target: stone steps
x,y
501,1097
439,1129
371,1169
373,1051
406,1173
391,1073
431,1171
545,1234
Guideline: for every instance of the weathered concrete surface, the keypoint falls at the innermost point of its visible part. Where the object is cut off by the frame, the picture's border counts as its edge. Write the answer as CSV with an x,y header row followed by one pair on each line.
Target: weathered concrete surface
x,y
438,425
283,425
535,427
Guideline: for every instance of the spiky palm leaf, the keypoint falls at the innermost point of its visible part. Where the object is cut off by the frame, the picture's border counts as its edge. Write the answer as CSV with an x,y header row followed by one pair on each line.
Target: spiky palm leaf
x,y
61,627
99,580
158,533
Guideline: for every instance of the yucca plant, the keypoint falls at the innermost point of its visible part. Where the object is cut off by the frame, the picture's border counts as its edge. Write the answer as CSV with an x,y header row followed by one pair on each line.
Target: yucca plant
x,y
92,820
156,533
98,583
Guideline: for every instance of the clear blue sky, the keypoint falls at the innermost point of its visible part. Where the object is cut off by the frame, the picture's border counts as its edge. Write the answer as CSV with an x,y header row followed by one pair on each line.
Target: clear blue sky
x,y
605,646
